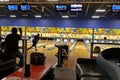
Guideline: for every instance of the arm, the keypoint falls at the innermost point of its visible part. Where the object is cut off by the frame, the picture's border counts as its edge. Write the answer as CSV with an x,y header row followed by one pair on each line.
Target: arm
x,y
20,30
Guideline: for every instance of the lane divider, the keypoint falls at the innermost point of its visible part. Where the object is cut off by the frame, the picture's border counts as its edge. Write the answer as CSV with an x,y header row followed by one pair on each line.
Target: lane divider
x,y
73,46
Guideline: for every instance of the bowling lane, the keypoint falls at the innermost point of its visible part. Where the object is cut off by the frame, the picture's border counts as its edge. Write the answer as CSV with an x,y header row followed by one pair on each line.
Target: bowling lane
x,y
80,51
49,53
102,46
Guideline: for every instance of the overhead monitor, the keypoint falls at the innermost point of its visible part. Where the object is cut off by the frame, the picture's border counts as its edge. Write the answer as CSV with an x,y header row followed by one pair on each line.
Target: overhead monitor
x,y
61,7
12,7
76,7
115,7
25,7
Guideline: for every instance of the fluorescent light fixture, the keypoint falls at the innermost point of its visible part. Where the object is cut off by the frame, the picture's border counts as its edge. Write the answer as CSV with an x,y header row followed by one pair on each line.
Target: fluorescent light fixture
x,y
12,15
38,16
65,16
95,16
100,10
3,0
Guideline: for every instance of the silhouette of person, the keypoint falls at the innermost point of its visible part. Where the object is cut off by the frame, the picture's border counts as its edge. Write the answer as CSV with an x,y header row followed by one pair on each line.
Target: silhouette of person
x,y
35,41
11,45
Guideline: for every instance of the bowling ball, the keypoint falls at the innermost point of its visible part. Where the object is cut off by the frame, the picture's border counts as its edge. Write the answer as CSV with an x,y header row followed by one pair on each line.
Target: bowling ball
x,y
97,49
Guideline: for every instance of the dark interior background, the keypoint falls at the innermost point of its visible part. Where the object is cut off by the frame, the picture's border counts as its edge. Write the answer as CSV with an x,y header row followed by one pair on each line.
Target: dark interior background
x,y
59,22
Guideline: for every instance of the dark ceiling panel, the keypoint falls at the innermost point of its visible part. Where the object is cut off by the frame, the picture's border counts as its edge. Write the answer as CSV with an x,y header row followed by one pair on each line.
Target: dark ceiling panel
x,y
45,8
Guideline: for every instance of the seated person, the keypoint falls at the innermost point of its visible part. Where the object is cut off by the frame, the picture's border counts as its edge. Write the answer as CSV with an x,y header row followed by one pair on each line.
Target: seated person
x,y
96,51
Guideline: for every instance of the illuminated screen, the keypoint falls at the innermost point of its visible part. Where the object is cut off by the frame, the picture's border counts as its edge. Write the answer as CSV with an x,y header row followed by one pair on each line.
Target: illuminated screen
x,y
12,7
76,7
116,8
25,7
61,7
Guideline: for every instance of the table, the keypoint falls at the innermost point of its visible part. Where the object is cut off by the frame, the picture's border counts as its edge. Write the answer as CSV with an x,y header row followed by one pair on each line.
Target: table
x,y
38,72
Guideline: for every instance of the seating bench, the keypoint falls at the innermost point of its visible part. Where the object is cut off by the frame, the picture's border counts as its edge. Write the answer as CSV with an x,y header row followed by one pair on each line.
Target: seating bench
x,y
87,69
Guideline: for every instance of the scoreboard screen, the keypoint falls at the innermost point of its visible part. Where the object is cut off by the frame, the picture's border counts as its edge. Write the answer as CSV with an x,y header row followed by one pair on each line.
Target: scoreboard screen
x,y
116,7
61,7
12,7
76,7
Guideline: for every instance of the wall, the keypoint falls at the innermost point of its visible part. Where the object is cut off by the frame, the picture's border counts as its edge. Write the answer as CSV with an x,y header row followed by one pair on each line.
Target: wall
x,y
58,22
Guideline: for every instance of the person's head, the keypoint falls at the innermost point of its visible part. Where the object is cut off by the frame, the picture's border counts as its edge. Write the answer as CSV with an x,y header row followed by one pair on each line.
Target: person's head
x,y
14,30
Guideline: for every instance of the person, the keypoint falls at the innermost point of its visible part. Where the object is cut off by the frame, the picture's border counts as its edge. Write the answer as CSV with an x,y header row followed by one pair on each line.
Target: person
x,y
11,45
34,42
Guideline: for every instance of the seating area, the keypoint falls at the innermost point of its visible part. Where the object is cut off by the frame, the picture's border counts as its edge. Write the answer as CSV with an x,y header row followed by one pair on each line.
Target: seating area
x,y
7,65
108,60
88,69
104,67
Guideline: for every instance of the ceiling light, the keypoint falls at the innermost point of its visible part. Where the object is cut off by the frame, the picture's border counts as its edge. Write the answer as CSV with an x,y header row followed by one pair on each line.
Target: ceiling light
x,y
95,16
3,0
12,15
43,8
65,16
100,10
38,16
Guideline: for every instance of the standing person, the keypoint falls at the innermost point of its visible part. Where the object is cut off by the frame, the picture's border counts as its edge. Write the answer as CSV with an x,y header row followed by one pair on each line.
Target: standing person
x,y
11,45
35,41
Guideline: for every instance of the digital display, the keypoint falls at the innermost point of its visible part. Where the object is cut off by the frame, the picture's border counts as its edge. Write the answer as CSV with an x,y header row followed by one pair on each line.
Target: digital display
x,y
12,7
61,7
76,7
116,8
25,7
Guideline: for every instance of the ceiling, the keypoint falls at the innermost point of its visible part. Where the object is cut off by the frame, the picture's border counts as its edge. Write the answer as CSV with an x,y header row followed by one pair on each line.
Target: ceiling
x,y
47,8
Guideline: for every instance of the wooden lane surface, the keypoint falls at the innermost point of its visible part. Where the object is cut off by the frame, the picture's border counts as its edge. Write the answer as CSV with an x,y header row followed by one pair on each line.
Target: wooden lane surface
x,y
79,51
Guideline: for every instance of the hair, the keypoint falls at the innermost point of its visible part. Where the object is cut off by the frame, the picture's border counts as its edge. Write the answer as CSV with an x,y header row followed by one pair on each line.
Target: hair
x,y
14,30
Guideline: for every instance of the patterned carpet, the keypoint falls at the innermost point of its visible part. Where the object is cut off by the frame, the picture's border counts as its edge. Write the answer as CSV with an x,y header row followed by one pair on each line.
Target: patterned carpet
x,y
64,74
